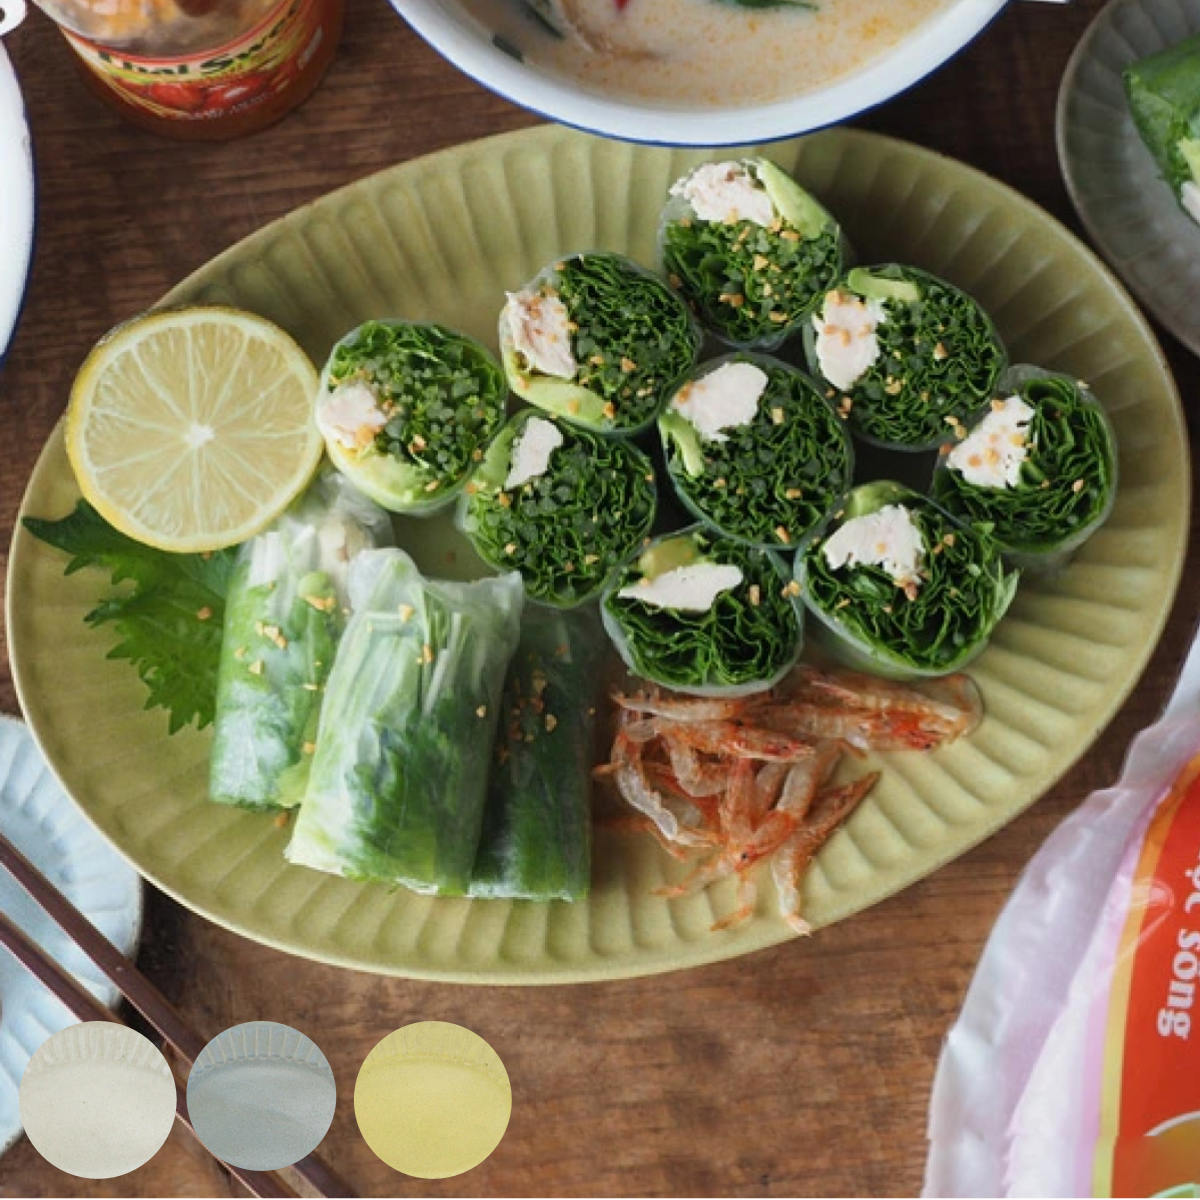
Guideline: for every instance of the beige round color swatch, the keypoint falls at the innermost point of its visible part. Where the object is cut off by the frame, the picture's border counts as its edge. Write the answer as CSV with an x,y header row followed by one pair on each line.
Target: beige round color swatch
x,y
432,1100
97,1100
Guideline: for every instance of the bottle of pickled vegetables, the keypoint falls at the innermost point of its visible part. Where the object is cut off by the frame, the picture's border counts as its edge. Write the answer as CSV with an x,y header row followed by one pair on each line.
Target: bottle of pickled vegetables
x,y
201,69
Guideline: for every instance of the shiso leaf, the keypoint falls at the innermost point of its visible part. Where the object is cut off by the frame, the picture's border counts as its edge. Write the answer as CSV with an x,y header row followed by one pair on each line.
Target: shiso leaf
x,y
168,622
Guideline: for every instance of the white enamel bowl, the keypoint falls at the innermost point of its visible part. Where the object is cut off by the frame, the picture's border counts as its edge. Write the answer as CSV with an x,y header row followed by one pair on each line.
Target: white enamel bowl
x,y
462,39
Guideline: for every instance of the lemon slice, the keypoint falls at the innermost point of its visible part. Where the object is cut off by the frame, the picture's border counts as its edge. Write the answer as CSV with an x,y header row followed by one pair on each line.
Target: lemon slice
x,y
191,429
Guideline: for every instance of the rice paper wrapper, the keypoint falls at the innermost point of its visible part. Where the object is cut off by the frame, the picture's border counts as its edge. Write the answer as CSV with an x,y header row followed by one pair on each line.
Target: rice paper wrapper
x,y
634,340
430,473
1074,1066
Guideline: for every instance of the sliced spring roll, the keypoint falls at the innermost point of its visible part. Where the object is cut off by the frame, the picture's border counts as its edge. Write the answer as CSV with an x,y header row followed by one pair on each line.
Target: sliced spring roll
x,y
563,506
704,614
749,250
901,586
1039,467
755,450
284,613
1164,97
537,830
905,356
399,775
597,340
406,408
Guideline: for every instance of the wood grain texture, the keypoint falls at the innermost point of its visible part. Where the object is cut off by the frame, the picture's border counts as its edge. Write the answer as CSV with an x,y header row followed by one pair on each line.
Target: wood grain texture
x,y
800,1070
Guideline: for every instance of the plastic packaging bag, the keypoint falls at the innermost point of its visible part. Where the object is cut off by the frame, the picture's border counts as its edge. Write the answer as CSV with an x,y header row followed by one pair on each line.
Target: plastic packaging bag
x,y
1074,1066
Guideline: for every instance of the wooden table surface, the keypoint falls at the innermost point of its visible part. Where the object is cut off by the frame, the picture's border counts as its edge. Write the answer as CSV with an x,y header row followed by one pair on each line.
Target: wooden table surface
x,y
800,1070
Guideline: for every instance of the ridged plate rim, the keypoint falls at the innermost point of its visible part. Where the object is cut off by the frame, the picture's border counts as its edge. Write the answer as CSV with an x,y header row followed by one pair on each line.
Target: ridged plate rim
x,y
762,932
1159,205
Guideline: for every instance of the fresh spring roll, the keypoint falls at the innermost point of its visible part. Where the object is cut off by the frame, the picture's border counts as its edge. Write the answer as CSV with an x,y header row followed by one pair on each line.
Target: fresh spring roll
x,y
537,829
399,776
406,409
597,340
1039,467
902,587
1164,97
704,614
755,450
749,249
904,355
563,506
284,613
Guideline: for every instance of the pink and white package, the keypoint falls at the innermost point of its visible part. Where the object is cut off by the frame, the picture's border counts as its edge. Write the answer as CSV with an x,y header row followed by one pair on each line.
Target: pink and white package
x,y
1074,1066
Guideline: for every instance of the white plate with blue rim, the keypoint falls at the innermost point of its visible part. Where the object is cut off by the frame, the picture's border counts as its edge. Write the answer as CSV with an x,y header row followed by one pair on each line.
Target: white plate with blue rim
x,y
17,192
1127,209
38,817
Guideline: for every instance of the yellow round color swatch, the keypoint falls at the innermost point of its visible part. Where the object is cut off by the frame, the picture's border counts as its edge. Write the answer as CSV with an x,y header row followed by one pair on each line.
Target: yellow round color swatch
x,y
432,1100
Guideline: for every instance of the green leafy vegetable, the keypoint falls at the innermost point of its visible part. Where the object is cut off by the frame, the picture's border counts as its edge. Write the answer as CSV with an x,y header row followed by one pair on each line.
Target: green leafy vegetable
x,y
752,285
569,528
631,339
1068,480
284,615
769,482
744,642
441,397
168,621
939,360
932,628
1164,97
398,779
537,830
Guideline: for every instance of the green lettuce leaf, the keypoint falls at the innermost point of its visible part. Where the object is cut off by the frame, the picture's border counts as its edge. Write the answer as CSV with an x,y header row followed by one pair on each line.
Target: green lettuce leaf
x,y
284,614
398,780
1164,98
168,620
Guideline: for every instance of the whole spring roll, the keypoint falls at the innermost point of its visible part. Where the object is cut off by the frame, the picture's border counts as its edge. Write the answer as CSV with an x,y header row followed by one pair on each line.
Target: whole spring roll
x,y
755,450
901,587
283,615
904,356
1164,97
1040,467
749,250
563,506
406,408
598,341
704,614
399,774
537,830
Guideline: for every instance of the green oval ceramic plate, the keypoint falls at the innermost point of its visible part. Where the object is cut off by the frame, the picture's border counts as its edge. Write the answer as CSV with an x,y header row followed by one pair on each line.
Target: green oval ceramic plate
x,y
442,238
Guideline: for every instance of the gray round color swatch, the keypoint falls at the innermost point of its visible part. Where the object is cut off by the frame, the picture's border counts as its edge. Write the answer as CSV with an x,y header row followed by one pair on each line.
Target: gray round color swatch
x,y
261,1095
97,1100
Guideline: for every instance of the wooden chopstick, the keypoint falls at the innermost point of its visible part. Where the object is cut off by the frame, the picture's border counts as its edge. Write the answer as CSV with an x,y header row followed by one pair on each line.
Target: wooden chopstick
x,y
140,993
87,1008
